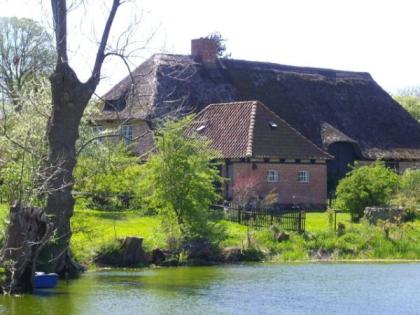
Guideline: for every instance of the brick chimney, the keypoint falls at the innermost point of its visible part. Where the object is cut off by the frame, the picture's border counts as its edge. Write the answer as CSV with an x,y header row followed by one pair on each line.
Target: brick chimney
x,y
204,49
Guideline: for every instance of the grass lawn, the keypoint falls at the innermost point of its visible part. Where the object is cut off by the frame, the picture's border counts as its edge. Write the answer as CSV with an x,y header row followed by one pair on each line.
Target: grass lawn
x,y
95,229
319,221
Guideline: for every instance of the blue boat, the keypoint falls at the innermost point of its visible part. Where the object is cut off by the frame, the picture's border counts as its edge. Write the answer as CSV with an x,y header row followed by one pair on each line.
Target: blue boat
x,y
44,280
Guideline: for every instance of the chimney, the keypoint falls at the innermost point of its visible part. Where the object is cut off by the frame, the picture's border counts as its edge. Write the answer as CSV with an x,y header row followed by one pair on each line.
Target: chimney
x,y
204,49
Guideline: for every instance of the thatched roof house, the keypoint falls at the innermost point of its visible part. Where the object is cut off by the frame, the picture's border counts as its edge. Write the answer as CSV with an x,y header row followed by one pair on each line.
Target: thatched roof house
x,y
329,107
257,146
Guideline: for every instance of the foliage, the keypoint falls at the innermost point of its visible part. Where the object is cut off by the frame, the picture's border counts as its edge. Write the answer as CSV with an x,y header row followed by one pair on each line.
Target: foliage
x,y
24,148
221,46
26,55
107,176
408,195
409,98
364,186
23,145
181,179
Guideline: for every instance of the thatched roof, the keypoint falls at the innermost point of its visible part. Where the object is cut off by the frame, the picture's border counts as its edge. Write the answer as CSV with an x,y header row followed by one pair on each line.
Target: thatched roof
x,y
250,129
325,105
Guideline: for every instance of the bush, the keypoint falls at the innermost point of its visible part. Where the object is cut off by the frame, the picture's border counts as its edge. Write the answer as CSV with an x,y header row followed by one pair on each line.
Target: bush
x,y
366,186
180,181
408,195
108,177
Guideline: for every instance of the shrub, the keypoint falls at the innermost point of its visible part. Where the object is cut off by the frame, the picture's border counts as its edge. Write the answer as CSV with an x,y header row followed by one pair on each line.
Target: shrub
x,y
108,177
366,186
180,181
408,194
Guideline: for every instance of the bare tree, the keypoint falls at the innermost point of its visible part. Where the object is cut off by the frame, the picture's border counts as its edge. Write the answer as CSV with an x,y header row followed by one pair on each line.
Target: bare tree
x,y
70,97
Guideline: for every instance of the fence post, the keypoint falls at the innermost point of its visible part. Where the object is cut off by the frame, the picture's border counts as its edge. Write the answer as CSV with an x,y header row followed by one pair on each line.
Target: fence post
x,y
300,222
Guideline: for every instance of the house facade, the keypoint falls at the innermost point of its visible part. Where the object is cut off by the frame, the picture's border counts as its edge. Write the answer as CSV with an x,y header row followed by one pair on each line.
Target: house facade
x,y
261,154
346,114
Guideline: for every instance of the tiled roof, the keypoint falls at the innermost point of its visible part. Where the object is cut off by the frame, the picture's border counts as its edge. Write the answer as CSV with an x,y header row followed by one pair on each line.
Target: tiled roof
x,y
250,129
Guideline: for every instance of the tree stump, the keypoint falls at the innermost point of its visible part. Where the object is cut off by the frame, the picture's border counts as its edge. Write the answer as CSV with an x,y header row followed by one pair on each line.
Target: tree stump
x,y
28,231
132,252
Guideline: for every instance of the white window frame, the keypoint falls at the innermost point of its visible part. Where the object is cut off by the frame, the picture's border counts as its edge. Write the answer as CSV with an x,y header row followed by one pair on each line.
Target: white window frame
x,y
273,176
127,133
303,177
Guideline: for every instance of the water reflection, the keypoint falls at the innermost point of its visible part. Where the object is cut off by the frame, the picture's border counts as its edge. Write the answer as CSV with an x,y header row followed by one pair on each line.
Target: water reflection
x,y
246,289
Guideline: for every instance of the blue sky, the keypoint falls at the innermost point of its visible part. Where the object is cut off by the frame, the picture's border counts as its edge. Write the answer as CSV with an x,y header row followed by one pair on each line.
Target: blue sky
x,y
380,37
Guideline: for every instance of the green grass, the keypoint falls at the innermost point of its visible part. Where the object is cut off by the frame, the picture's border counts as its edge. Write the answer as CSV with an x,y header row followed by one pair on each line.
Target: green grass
x,y
319,221
95,229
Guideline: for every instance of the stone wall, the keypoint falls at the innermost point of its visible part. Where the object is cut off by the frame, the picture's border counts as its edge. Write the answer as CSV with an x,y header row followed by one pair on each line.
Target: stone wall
x,y
373,214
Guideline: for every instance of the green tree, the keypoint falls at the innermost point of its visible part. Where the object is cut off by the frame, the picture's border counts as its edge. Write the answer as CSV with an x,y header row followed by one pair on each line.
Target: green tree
x,y
26,54
180,179
366,186
409,98
107,176
23,146
408,195
221,44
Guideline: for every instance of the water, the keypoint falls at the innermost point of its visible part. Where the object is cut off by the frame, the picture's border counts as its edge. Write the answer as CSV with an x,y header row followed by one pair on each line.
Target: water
x,y
243,289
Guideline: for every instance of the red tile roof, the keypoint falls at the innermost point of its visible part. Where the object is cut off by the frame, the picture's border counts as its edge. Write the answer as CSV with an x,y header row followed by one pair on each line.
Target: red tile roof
x,y
250,129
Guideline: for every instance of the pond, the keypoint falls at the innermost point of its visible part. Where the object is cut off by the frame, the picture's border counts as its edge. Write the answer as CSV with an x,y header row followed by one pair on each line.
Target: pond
x,y
237,289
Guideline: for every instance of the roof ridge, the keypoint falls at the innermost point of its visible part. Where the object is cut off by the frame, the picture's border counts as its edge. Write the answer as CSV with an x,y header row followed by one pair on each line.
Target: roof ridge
x,y
253,114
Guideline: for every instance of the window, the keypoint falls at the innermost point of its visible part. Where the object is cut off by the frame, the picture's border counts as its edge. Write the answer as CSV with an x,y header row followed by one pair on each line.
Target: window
x,y
127,133
272,176
303,177
97,130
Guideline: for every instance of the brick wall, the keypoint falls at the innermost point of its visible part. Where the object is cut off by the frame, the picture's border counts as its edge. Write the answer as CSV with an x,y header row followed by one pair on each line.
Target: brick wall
x,y
288,188
205,49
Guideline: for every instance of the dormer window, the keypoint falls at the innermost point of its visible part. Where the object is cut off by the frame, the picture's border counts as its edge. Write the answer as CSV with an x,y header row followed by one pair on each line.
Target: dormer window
x,y
272,124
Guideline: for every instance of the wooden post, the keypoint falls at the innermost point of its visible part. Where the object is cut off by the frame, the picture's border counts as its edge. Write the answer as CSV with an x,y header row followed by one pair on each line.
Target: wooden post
x,y
300,222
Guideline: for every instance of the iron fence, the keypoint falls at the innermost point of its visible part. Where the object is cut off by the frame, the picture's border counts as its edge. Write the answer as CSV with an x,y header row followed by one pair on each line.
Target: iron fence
x,y
286,219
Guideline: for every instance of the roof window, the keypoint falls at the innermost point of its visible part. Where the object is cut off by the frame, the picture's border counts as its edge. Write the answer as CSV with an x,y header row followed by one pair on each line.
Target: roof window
x,y
201,128
272,124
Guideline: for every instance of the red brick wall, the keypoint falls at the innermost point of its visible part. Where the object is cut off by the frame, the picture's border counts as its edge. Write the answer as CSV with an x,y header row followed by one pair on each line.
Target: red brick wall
x,y
288,188
204,48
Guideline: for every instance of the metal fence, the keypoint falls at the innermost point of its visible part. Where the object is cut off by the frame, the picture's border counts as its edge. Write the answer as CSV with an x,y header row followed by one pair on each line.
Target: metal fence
x,y
289,220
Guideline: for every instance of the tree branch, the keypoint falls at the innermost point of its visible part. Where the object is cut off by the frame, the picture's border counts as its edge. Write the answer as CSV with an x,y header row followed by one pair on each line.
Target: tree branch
x,y
100,55
59,9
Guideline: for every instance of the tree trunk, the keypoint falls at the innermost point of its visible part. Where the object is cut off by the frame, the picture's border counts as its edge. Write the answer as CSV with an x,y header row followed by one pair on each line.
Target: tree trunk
x,y
27,233
70,98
